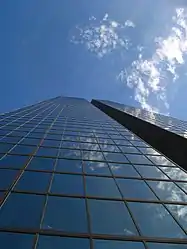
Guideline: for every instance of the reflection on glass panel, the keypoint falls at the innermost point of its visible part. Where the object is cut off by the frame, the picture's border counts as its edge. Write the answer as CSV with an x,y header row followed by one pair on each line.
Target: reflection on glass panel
x,y
148,151
183,186
23,149
122,142
160,160
4,148
16,240
27,211
110,217
111,244
99,168
43,151
167,191
71,166
115,157
138,159
51,143
109,147
105,141
165,246
129,149
40,163
53,242
34,181
93,155
139,143
7,177
72,154
150,172
135,189
101,186
154,220
89,146
12,161
67,184
175,173
125,170
70,144
60,214
180,213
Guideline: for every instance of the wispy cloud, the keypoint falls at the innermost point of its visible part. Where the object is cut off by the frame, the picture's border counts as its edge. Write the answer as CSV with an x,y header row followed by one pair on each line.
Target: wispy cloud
x,y
104,36
150,77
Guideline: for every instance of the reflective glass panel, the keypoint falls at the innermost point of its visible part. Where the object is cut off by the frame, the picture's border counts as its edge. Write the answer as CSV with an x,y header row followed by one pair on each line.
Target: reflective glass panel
x,y
101,186
60,214
67,184
112,244
40,163
34,181
110,217
125,170
138,159
71,166
53,242
115,157
167,191
12,161
7,177
155,221
99,168
175,173
26,211
150,172
137,189
16,240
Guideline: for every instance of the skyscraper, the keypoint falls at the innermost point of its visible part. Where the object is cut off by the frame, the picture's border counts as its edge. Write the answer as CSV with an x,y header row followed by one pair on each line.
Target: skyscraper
x,y
73,177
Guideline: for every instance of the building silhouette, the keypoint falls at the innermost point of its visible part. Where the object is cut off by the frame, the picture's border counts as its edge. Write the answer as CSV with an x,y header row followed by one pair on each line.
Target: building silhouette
x,y
75,174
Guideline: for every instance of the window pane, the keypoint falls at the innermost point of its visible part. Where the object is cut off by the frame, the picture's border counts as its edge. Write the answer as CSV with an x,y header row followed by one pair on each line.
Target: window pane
x,y
165,246
40,163
7,177
138,159
115,157
161,223
23,149
128,149
4,148
67,184
135,189
148,151
101,186
150,172
110,217
99,168
111,244
34,181
160,160
71,166
16,240
60,214
175,173
10,161
72,154
22,211
93,155
111,148
167,191
180,213
89,146
43,151
53,242
126,170
51,143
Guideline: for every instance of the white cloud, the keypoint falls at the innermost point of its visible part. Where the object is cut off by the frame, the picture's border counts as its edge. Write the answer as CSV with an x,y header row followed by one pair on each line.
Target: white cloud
x,y
102,37
129,23
154,72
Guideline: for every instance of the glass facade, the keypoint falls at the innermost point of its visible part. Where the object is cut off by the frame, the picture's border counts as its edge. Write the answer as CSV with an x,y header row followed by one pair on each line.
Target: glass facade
x,y
72,177
165,122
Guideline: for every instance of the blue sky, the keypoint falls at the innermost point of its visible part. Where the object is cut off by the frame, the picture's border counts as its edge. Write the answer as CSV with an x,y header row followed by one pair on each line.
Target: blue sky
x,y
132,52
